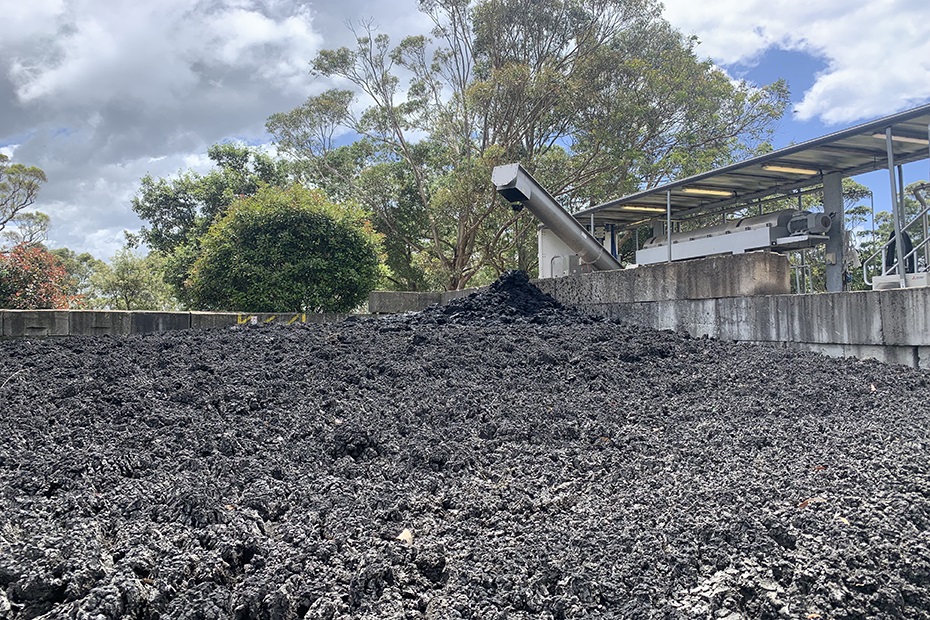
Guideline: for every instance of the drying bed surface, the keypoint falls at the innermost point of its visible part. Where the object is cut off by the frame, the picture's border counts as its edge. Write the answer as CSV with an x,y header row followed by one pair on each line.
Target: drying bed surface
x,y
499,457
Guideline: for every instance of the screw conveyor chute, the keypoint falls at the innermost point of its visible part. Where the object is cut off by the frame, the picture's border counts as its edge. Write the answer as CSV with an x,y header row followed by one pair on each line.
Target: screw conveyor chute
x,y
516,185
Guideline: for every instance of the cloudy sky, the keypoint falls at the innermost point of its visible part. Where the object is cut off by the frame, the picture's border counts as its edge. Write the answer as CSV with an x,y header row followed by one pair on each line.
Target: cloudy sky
x,y
99,93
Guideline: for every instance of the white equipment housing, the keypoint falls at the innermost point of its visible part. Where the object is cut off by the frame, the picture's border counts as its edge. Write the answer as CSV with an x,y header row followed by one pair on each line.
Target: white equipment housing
x,y
556,259
781,231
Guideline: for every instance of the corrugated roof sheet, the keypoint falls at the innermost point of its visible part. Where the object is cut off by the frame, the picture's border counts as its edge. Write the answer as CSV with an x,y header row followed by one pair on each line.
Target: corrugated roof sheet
x,y
849,152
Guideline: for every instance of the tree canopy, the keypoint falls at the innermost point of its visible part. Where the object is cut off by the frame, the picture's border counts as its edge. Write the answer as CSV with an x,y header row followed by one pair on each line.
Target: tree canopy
x,y
31,278
80,269
595,98
286,250
131,282
179,211
19,187
30,227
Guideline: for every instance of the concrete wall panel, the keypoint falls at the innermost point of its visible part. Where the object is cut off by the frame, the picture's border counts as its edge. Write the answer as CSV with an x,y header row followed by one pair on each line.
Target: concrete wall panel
x,y
705,320
698,317
448,296
891,326
834,317
393,302
42,323
158,322
748,319
18,323
101,322
906,316
923,357
326,317
212,320
751,274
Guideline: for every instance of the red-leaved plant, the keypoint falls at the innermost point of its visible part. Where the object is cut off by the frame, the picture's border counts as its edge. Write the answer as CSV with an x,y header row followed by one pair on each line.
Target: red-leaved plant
x,y
31,278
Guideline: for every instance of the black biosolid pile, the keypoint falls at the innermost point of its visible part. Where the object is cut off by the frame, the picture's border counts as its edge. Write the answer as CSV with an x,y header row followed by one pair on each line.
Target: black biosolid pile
x,y
512,298
501,457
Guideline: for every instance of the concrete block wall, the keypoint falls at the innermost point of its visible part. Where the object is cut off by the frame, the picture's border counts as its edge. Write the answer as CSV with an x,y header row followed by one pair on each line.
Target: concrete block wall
x,y
398,302
746,298
740,275
92,323
34,323
212,320
753,273
891,326
52,323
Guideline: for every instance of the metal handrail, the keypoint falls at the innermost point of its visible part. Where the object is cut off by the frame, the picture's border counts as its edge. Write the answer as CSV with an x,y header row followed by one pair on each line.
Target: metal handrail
x,y
803,273
880,253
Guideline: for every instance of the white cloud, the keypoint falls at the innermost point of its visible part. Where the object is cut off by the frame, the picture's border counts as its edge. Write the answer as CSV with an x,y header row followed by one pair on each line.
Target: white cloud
x,y
99,93
877,52
156,53
24,21
198,162
96,209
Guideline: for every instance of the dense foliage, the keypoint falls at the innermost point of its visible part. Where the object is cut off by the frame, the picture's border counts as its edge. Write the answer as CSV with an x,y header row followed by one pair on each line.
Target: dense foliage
x,y
179,211
131,282
80,268
595,98
31,278
286,250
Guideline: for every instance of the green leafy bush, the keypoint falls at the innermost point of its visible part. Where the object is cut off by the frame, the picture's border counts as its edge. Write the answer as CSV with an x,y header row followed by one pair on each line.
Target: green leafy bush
x,y
286,250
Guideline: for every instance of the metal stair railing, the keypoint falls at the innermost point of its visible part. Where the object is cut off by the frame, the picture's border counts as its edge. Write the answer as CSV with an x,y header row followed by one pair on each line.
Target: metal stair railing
x,y
874,264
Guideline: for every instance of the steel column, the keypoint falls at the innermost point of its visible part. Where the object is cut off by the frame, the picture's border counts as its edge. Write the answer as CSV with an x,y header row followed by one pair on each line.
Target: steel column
x,y
834,207
896,215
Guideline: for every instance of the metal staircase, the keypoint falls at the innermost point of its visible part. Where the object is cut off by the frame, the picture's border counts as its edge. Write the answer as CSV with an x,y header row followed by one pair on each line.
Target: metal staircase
x,y
880,269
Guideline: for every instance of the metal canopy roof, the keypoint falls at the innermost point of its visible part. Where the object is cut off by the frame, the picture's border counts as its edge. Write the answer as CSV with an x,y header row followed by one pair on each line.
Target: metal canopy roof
x,y
849,152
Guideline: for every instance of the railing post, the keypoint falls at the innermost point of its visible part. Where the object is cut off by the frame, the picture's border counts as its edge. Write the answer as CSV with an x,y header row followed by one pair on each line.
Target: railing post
x,y
668,223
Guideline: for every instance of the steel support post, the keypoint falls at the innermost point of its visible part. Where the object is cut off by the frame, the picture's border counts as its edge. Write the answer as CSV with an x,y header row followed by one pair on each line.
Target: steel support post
x,y
834,207
896,211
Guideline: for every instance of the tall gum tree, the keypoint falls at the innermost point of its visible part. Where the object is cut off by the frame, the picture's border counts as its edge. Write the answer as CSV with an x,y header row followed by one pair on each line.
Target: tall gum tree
x,y
595,97
19,188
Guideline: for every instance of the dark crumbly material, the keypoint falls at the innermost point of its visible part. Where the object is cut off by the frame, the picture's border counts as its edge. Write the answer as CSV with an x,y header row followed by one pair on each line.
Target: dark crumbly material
x,y
499,457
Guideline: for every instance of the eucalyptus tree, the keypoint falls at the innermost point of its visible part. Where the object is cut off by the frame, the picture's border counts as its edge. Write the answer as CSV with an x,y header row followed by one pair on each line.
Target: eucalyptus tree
x,y
595,97
19,189
29,227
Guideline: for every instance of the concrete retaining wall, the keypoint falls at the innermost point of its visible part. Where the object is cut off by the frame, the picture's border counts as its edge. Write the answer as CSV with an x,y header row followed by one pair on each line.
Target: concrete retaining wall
x,y
740,275
396,302
890,326
745,298
19,323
